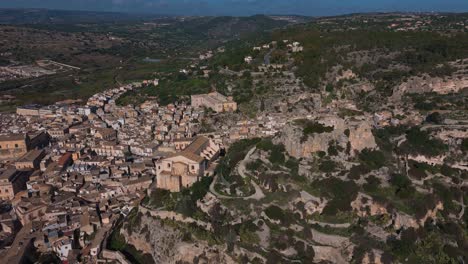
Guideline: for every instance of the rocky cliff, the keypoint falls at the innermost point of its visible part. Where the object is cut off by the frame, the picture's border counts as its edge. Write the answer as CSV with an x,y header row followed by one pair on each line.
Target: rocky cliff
x,y
427,84
166,244
353,133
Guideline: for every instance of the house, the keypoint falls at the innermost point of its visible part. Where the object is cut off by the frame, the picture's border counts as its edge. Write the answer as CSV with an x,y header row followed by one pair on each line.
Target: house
x,y
30,209
183,169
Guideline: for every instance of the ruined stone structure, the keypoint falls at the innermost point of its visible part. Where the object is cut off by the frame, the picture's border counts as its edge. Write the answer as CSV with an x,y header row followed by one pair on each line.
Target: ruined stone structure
x,y
216,101
184,168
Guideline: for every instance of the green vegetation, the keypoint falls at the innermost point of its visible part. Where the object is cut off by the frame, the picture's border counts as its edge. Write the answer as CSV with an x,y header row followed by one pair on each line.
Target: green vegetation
x,y
235,154
420,142
168,91
341,193
183,202
275,213
422,51
277,156
311,127
464,145
373,159
328,166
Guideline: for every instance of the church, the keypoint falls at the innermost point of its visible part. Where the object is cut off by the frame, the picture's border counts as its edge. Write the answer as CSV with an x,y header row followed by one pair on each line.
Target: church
x,y
183,169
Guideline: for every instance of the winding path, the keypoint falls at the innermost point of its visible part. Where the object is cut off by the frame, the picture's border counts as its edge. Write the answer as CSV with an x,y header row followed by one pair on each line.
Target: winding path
x,y
241,169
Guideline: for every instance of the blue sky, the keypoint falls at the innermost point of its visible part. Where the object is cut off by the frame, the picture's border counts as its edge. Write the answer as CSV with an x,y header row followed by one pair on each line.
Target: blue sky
x,y
245,7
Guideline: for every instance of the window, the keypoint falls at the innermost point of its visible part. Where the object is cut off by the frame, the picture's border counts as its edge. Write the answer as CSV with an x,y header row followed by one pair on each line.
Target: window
x,y
168,165
193,167
16,145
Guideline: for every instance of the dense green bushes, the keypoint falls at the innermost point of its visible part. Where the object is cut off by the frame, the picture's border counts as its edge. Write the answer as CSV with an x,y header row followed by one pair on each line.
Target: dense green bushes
x,y
464,145
420,142
341,194
373,159
328,166
311,127
275,213
235,154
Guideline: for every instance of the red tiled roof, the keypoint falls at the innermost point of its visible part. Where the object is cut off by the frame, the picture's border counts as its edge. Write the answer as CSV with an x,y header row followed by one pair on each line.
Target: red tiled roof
x,y
65,158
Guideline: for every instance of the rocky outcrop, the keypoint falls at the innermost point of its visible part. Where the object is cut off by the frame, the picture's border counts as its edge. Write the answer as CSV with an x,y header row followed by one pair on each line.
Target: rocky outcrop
x,y
165,244
360,136
356,132
403,221
329,254
373,257
427,84
334,249
311,203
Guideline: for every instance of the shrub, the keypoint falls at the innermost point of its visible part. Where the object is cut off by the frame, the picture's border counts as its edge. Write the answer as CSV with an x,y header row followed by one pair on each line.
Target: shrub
x,y
464,145
357,171
373,159
372,184
403,186
327,166
420,142
341,193
310,127
435,118
275,213
254,165
277,156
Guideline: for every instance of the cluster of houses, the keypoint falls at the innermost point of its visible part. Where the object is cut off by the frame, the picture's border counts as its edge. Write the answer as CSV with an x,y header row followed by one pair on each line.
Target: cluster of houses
x,y
68,171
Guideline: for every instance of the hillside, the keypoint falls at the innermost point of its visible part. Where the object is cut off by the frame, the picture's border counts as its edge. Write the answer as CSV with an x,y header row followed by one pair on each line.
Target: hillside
x,y
368,162
110,48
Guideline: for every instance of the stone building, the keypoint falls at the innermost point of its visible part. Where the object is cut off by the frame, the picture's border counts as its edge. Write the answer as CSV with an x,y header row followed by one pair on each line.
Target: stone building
x,y
14,146
184,168
31,209
29,110
12,181
216,101
30,160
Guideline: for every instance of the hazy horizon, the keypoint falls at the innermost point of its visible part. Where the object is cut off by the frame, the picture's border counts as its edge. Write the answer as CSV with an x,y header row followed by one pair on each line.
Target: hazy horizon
x,y
245,7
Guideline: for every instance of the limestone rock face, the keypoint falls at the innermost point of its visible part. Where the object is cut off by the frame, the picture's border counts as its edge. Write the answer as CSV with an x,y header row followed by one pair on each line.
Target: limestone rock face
x,y
402,220
165,244
361,136
373,257
428,84
300,146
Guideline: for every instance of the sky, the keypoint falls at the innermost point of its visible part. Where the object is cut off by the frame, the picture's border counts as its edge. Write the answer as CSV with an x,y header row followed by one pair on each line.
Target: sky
x,y
244,7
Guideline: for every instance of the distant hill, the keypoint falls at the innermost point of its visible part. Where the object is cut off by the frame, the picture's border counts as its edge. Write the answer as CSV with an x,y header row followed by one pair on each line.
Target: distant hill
x,y
46,16
221,27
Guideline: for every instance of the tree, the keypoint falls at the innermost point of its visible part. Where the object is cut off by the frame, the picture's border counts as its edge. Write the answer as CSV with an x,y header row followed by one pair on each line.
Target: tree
x,y
327,166
435,118
374,159
464,145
